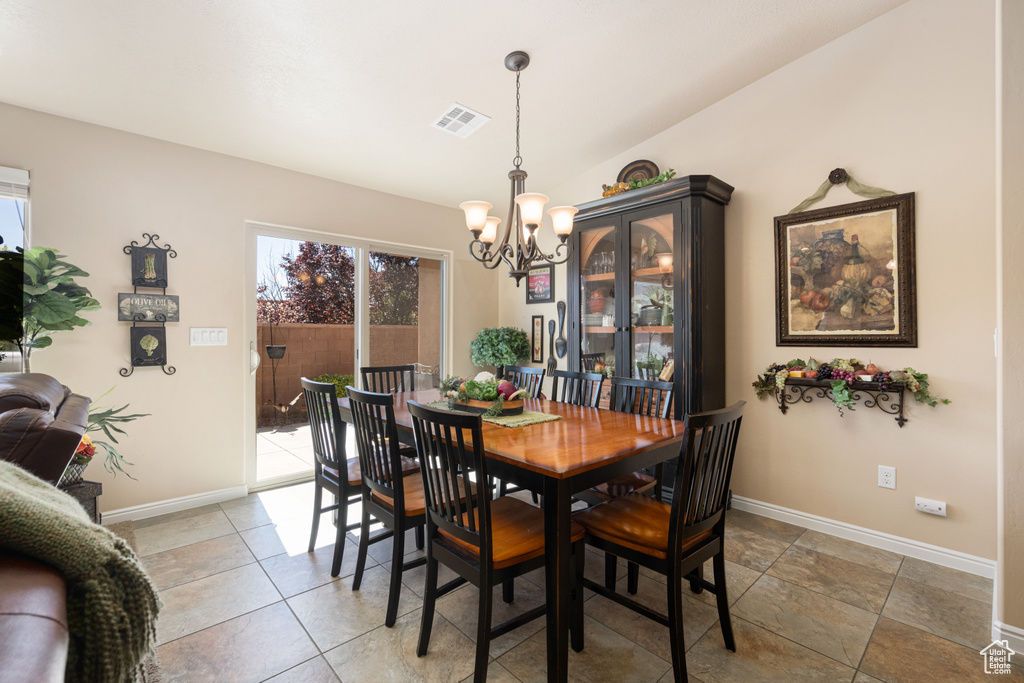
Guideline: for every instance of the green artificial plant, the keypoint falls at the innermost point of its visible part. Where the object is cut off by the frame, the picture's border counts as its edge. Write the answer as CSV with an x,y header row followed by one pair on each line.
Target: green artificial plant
x,y
51,299
106,420
499,346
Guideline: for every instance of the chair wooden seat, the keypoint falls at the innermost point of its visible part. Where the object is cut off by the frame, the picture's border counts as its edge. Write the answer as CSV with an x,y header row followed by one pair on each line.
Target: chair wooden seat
x,y
415,501
517,530
355,477
637,522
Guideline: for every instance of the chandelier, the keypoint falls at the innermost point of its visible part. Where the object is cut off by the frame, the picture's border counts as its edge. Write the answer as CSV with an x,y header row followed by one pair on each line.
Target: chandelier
x,y
518,248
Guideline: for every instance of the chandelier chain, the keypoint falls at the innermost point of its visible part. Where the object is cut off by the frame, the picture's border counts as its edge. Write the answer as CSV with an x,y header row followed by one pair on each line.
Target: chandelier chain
x,y
518,160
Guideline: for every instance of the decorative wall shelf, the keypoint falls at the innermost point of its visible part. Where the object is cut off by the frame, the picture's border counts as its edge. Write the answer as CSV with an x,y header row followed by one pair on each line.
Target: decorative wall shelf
x,y
889,400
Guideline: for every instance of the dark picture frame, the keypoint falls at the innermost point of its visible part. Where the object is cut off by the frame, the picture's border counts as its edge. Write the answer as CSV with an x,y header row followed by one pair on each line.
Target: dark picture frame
x,y
149,267
540,285
537,339
846,275
147,308
141,354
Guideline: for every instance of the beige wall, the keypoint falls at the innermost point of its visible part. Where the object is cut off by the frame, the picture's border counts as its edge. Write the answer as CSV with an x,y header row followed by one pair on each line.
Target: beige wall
x,y
95,189
905,102
1010,578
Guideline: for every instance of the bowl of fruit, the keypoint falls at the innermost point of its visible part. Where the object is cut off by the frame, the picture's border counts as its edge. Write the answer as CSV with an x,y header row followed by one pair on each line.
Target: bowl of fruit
x,y
489,396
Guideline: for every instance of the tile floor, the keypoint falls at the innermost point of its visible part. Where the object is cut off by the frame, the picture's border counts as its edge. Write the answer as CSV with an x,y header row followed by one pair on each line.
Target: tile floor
x,y
244,601
283,450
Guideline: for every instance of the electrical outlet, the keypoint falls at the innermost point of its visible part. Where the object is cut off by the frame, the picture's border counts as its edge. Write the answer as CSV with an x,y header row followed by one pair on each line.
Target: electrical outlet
x,y
886,477
932,507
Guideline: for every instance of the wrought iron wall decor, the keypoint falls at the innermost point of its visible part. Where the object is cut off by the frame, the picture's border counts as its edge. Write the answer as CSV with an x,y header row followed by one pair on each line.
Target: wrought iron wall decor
x,y
888,400
148,313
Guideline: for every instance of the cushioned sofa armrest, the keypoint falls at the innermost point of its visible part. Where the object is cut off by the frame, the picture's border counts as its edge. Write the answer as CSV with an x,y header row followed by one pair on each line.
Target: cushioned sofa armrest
x,y
33,621
31,390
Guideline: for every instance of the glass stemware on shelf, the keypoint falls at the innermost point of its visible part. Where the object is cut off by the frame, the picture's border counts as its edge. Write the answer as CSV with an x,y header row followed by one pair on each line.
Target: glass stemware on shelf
x,y
601,263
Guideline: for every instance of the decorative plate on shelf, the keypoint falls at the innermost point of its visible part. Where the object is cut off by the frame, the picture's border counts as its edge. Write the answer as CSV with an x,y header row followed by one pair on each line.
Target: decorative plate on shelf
x,y
641,169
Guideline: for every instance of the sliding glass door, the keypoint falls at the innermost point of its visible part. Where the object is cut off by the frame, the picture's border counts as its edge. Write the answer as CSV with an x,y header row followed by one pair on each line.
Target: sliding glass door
x,y
405,314
324,309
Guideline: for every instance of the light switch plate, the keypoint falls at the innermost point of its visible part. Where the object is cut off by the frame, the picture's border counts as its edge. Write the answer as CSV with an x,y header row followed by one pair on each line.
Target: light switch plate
x,y
208,336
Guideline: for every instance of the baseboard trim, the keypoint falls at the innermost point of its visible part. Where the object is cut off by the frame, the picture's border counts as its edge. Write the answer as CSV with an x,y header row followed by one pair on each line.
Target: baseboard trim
x,y
877,539
163,507
1011,634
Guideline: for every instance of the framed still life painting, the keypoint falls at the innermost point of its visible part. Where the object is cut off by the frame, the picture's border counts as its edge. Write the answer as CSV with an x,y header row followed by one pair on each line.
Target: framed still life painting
x,y
845,275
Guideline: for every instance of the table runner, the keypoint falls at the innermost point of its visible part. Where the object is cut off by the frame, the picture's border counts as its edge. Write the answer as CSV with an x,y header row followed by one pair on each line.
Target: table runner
x,y
527,417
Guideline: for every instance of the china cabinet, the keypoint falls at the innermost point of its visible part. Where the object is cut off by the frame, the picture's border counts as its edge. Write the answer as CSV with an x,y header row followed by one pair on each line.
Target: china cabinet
x,y
646,290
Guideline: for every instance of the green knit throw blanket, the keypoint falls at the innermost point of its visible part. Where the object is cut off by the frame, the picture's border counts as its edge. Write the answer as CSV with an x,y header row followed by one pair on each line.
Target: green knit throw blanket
x,y
112,605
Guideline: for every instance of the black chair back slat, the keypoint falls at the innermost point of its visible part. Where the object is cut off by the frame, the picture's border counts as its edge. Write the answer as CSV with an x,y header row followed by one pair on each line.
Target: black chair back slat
x,y
388,379
531,379
577,388
641,397
451,455
705,469
373,417
326,426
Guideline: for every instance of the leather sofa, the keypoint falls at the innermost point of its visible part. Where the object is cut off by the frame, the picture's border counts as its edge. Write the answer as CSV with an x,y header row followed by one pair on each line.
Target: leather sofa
x,y
33,621
41,424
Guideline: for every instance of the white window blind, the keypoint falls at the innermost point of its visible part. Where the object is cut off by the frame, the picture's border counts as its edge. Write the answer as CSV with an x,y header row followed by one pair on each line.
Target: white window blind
x,y
13,184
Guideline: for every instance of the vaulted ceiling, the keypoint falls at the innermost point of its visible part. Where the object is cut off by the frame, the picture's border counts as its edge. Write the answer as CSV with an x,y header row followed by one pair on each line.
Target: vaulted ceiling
x,y
350,90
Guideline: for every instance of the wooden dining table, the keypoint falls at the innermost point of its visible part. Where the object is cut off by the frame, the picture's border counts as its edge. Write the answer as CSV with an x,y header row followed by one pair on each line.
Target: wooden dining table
x,y
586,447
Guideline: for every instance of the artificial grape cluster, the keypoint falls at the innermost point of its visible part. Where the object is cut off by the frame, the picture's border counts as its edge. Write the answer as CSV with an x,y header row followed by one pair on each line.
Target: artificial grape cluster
x,y
883,380
843,374
824,371
844,364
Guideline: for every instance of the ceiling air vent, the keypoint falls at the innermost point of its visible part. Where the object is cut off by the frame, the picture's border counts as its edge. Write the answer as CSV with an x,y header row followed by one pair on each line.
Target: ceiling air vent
x,y
460,120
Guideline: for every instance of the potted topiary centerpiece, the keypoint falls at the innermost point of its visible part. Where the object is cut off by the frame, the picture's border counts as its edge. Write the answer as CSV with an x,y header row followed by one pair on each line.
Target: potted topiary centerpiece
x,y
500,346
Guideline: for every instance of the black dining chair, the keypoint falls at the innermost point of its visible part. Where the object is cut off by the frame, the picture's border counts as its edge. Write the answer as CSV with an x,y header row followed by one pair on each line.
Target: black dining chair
x,y
391,495
332,470
486,542
577,388
676,539
639,397
531,379
388,379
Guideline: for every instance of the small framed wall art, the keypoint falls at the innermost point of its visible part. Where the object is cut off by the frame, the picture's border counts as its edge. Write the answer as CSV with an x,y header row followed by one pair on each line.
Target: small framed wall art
x,y
149,345
537,339
149,308
540,285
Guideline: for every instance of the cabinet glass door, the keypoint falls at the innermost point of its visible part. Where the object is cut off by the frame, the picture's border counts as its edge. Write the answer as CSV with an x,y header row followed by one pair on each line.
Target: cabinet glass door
x,y
652,304
597,299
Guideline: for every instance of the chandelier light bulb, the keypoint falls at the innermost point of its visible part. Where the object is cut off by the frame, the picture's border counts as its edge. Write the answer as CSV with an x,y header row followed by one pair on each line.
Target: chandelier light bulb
x,y
531,207
490,231
476,214
561,218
